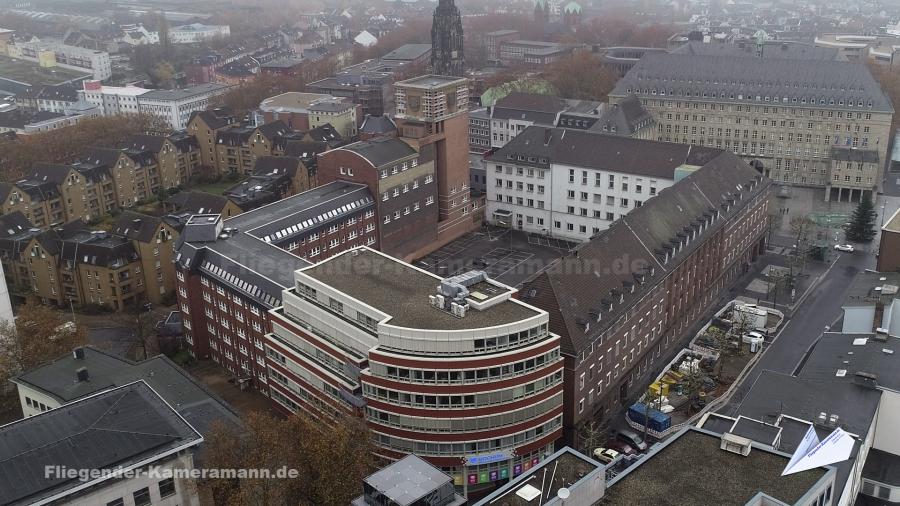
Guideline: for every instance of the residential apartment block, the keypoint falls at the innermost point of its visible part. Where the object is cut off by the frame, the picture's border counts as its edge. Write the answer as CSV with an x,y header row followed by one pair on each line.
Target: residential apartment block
x,y
55,53
72,265
104,180
515,112
808,122
273,178
573,184
626,299
456,370
175,107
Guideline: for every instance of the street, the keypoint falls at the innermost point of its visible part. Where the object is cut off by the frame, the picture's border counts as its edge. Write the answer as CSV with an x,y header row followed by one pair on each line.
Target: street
x,y
820,308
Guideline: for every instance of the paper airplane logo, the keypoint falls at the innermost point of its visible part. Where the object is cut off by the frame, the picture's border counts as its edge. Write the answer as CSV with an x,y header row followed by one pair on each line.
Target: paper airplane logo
x,y
812,453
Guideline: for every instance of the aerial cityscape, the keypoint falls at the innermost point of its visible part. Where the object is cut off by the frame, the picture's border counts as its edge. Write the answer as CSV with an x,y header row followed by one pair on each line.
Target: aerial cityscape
x,y
449,252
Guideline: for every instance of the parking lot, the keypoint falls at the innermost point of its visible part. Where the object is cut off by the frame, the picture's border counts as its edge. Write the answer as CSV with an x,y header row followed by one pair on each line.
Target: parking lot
x,y
510,257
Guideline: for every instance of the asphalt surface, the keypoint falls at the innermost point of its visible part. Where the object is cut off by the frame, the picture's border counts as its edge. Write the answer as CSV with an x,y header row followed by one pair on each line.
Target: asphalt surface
x,y
820,308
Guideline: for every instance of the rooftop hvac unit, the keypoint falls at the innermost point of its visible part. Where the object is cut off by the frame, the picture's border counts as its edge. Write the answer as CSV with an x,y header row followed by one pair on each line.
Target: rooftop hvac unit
x,y
433,300
439,301
735,444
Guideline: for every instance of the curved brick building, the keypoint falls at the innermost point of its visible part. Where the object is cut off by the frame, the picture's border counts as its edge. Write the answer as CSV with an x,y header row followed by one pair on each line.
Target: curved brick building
x,y
454,370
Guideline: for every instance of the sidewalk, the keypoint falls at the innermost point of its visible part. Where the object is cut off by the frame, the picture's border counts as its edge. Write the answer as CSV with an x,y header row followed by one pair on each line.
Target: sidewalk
x,y
758,284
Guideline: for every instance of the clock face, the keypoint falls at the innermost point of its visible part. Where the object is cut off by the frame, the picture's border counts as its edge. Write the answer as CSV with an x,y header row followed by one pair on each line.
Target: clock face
x,y
414,103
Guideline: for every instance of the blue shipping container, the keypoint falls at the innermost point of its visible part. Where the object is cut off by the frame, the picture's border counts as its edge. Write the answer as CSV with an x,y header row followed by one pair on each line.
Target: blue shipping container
x,y
659,421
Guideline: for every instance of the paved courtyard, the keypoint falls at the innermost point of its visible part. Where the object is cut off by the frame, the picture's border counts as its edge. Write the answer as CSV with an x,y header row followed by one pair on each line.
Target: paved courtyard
x,y
510,257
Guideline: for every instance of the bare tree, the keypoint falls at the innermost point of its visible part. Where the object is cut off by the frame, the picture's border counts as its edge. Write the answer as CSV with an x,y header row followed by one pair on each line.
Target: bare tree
x,y
331,460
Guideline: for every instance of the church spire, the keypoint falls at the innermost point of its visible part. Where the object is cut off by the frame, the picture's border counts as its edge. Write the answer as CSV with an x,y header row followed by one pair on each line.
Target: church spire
x,y
447,40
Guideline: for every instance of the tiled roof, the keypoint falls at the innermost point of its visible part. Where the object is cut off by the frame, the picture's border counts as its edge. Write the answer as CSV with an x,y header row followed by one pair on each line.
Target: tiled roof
x,y
540,146
833,84
119,427
381,151
580,286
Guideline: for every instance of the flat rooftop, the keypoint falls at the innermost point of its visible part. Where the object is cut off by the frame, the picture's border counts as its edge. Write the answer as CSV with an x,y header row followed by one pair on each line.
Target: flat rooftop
x,y
32,74
871,287
564,468
292,100
692,469
848,354
431,81
401,291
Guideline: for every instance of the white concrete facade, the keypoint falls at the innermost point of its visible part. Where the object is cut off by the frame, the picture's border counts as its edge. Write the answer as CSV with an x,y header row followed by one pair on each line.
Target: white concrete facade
x,y
197,32
564,202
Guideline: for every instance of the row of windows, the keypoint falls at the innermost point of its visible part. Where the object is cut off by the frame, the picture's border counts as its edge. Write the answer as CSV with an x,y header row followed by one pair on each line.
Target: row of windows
x,y
465,424
468,376
463,401
142,497
423,448
758,98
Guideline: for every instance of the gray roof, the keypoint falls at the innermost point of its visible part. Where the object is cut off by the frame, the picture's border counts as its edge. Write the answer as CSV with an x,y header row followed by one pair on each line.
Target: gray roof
x,y
408,480
251,260
691,469
573,288
198,202
401,291
381,151
624,118
187,396
534,107
601,151
408,52
184,93
770,50
137,226
377,125
117,428
867,289
786,82
854,353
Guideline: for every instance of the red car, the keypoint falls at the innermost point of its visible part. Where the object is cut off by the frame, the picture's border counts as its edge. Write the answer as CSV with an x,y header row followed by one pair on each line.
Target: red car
x,y
620,446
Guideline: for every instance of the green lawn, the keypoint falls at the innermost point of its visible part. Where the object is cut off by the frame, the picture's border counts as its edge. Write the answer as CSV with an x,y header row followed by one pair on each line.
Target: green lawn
x,y
216,188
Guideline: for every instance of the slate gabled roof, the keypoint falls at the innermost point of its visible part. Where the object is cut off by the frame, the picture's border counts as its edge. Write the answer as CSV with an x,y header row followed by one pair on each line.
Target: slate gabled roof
x,y
574,289
136,226
832,84
53,172
277,165
619,154
118,427
198,202
273,129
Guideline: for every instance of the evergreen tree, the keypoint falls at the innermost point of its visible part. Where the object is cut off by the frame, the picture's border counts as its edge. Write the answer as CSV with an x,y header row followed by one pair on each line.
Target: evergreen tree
x,y
862,225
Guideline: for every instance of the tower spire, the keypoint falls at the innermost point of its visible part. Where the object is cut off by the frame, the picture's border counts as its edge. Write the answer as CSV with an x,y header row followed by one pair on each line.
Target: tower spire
x,y
447,40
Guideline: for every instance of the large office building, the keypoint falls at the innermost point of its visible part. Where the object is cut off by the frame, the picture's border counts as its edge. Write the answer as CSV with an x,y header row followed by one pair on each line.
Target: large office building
x,y
803,119
572,184
175,107
455,370
231,272
625,300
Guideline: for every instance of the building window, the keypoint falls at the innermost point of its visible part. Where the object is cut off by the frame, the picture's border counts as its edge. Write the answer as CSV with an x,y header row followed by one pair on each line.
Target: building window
x,y
142,497
166,488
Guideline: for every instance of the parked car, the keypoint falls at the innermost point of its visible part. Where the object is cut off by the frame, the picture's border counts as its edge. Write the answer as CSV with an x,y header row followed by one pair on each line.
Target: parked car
x,y
620,446
847,248
605,455
632,439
